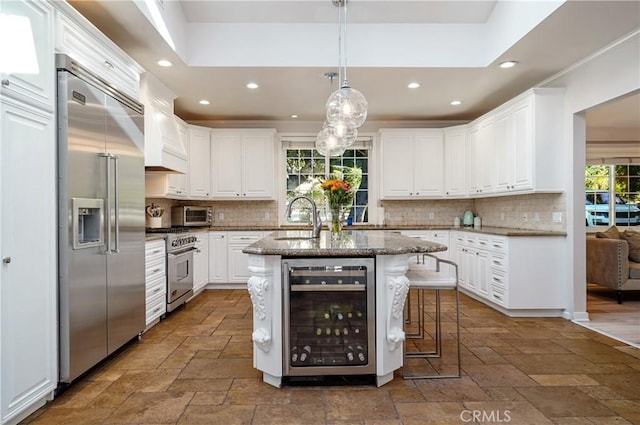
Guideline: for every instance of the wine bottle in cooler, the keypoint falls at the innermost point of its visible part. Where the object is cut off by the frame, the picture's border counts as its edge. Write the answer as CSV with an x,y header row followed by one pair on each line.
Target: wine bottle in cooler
x,y
295,354
350,354
361,354
305,354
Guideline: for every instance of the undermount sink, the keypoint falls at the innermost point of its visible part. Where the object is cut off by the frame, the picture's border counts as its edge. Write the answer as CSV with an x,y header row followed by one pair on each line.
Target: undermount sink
x,y
294,235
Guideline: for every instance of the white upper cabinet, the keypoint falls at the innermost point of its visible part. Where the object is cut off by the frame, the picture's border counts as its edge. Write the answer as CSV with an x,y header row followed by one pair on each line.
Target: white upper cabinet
x,y
480,157
78,38
513,149
199,162
412,163
455,161
242,164
26,73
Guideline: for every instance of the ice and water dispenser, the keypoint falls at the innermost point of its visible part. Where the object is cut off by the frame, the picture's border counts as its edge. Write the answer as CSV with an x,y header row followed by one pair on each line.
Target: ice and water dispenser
x,y
88,223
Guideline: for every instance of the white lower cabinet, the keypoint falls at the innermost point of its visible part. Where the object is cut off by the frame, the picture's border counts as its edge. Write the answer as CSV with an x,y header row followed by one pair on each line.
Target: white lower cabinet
x,y
28,279
227,262
155,281
217,257
520,274
237,260
201,262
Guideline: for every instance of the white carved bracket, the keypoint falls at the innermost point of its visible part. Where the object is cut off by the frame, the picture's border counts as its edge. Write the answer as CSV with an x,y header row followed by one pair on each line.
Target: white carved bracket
x,y
258,291
397,289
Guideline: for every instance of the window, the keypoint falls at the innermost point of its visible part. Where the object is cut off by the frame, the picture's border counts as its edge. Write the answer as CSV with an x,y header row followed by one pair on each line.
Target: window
x,y
617,183
306,169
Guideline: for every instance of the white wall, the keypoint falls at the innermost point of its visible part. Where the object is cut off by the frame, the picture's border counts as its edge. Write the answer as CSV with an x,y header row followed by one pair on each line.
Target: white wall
x,y
611,73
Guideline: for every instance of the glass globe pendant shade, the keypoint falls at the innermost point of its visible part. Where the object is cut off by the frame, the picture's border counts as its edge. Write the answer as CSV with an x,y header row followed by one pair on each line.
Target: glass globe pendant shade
x,y
346,106
328,143
346,135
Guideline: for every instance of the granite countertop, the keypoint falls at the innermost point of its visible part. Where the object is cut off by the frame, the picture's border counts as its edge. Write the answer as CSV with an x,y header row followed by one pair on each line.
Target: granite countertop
x,y
353,243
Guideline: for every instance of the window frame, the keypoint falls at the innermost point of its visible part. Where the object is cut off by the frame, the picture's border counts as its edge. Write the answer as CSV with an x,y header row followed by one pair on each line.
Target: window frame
x,y
306,141
612,178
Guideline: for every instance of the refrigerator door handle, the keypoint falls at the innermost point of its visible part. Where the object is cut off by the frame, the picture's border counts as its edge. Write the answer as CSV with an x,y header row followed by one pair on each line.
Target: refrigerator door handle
x,y
116,188
107,209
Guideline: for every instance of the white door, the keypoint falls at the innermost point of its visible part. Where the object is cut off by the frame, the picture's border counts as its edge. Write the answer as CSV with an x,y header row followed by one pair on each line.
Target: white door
x,y
428,160
258,170
28,281
201,261
217,257
226,165
397,165
455,162
199,162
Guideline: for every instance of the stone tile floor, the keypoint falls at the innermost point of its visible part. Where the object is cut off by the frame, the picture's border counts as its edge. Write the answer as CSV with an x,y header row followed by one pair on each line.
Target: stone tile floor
x,y
195,367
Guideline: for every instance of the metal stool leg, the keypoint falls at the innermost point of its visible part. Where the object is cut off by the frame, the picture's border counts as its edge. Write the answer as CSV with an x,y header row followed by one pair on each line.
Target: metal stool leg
x,y
438,328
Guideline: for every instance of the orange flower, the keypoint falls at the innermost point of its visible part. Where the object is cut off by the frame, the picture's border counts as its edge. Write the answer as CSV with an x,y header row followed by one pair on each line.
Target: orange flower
x,y
338,192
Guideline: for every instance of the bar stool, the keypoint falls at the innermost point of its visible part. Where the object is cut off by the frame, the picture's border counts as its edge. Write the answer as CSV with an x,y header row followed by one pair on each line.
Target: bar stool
x,y
422,279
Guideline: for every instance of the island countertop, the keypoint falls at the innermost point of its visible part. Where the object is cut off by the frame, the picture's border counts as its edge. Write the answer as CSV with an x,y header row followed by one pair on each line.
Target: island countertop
x,y
353,243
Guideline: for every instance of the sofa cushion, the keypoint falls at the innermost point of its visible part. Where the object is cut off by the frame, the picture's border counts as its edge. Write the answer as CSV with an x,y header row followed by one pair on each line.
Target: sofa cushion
x,y
611,233
634,270
633,239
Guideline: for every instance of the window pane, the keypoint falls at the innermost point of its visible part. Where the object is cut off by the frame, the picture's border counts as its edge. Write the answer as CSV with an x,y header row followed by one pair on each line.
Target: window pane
x,y
306,169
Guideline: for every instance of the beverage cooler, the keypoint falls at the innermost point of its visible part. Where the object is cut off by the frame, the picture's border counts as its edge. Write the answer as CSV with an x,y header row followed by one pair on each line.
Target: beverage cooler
x,y
329,323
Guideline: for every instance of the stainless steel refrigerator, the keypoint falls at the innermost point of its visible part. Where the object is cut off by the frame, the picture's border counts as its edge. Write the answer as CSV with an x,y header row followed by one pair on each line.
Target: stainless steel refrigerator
x,y
101,218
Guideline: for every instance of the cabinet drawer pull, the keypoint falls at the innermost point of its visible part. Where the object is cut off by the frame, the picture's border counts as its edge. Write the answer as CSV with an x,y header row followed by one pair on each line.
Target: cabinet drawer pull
x,y
157,290
5,82
157,309
6,260
157,251
156,270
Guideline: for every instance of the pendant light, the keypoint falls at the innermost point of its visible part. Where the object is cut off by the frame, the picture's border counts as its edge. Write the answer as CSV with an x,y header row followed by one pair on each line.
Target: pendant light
x,y
333,140
346,106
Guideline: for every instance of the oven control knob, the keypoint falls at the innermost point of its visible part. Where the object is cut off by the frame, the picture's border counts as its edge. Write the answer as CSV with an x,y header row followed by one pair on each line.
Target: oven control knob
x,y
174,243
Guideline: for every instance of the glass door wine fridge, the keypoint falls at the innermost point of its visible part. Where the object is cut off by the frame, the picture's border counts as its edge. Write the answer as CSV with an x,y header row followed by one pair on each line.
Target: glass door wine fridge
x,y
329,323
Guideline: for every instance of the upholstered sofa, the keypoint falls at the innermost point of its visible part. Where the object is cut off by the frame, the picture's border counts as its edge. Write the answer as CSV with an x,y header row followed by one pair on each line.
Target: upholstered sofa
x,y
608,264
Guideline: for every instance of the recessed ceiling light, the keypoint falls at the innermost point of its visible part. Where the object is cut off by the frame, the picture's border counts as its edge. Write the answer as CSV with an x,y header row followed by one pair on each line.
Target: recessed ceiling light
x,y
508,64
204,102
456,102
413,85
252,86
164,63
294,115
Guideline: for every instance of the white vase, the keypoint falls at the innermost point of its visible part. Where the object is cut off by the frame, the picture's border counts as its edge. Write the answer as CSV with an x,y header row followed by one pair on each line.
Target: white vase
x,y
155,222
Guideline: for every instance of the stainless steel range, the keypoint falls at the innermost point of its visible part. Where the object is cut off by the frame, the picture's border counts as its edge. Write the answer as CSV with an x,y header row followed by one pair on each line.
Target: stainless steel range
x,y
180,249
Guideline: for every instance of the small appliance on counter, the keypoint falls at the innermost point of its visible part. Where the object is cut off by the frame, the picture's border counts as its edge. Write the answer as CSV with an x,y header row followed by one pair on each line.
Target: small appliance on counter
x,y
191,216
467,219
456,221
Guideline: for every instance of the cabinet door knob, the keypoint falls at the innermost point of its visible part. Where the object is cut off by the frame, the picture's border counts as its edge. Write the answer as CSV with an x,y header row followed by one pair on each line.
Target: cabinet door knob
x,y
5,82
6,260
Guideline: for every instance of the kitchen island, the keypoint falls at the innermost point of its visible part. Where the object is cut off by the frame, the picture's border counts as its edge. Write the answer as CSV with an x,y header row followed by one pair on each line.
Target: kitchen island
x,y
270,267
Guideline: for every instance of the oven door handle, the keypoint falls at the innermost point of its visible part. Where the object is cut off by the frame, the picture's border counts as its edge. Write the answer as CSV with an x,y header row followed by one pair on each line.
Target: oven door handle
x,y
180,253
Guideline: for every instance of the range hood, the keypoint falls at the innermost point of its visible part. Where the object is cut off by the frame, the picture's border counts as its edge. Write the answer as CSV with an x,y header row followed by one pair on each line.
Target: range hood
x,y
164,148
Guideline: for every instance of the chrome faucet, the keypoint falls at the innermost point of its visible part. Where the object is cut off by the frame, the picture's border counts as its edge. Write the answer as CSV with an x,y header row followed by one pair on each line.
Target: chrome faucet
x,y
317,223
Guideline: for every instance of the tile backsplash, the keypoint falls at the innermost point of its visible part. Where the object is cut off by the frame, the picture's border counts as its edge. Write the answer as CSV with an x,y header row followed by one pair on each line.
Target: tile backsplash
x,y
534,212
227,213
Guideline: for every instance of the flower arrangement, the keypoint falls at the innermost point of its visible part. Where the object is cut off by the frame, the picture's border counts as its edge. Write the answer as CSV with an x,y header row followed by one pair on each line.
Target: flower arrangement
x,y
338,192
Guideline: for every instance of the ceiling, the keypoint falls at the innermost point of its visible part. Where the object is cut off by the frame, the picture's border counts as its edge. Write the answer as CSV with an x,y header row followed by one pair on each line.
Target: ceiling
x,y
287,46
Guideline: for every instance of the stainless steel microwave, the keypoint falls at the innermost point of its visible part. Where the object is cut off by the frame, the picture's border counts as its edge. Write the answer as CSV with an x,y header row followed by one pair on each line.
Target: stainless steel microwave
x,y
191,216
